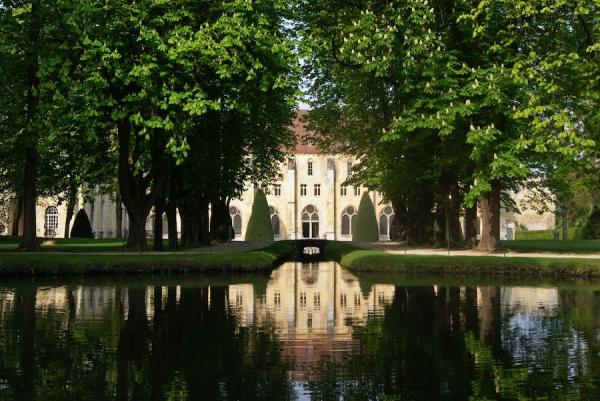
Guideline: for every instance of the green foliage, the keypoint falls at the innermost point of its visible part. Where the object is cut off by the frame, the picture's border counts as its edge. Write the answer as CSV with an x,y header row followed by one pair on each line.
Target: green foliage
x,y
81,226
591,230
366,228
259,226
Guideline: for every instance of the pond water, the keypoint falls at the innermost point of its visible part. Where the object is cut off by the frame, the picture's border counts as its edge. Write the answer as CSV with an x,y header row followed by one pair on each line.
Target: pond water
x,y
306,332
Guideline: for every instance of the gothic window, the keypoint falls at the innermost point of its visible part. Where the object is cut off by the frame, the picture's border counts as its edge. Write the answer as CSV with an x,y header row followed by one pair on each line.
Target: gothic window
x,y
236,219
277,190
386,219
317,189
302,189
349,167
348,220
310,222
310,167
356,191
275,221
51,222
343,190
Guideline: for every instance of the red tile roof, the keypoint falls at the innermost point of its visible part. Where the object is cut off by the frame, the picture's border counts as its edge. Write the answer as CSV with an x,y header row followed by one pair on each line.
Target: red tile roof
x,y
303,145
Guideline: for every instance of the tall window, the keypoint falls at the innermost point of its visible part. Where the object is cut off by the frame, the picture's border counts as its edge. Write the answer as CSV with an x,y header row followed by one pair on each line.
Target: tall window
x,y
51,222
310,222
386,221
349,167
277,189
348,220
343,190
275,222
310,167
302,189
356,191
236,220
317,189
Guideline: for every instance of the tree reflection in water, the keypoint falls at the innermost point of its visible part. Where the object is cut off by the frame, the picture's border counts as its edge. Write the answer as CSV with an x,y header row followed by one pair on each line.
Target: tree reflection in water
x,y
313,332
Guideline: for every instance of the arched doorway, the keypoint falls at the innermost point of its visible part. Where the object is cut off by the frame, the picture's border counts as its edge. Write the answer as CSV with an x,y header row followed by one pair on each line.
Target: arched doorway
x,y
275,222
310,222
236,221
51,222
386,223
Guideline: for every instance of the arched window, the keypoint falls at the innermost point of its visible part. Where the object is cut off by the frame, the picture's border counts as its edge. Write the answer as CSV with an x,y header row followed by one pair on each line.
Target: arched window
x,y
348,220
310,167
386,220
51,222
236,220
310,222
275,222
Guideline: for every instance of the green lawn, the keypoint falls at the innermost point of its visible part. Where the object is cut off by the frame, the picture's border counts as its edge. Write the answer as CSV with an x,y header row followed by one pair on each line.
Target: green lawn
x,y
361,260
69,245
47,263
575,246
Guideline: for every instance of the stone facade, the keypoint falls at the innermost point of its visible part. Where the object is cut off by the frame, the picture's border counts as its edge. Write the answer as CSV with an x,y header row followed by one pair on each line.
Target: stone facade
x,y
310,200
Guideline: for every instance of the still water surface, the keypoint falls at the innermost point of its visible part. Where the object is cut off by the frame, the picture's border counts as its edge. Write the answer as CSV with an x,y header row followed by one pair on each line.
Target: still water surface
x,y
306,332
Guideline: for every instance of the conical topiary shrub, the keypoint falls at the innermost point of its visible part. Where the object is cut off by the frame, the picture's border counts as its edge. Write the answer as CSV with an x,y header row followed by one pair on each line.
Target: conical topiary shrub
x,y
259,225
591,230
81,226
366,228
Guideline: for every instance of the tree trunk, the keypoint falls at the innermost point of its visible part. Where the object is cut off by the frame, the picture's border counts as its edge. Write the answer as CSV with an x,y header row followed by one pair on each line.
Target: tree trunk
x,y
29,240
119,216
565,224
171,212
16,220
489,204
133,186
158,225
471,226
72,198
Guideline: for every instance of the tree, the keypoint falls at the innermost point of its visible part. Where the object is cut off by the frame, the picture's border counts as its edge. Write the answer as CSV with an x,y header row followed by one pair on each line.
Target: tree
x,y
259,225
435,100
366,228
164,74
82,227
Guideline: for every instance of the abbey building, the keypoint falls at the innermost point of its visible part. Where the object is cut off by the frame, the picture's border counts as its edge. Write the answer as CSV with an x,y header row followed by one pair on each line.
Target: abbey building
x,y
311,199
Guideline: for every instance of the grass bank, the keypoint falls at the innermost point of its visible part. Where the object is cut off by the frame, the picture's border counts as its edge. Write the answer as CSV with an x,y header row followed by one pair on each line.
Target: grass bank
x,y
541,245
360,260
152,263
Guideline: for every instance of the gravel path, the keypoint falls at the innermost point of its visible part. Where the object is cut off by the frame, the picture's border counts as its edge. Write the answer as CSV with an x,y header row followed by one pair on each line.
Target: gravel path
x,y
398,249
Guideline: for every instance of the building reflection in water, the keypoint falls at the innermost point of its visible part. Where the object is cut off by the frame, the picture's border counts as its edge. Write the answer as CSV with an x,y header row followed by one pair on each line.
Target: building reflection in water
x,y
314,307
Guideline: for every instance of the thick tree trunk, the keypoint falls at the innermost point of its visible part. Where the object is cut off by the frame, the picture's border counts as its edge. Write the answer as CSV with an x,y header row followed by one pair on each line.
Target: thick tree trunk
x,y
171,212
219,222
158,225
29,240
16,219
119,216
489,204
72,198
133,187
471,227
565,224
